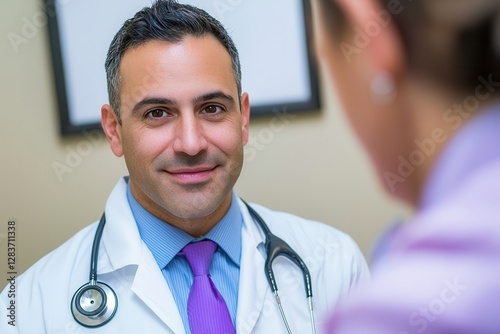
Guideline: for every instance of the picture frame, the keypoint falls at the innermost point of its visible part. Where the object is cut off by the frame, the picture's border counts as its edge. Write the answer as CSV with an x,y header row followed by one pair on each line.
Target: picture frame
x,y
274,40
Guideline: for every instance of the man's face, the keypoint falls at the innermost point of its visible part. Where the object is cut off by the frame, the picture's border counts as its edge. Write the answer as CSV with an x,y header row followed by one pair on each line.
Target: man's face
x,y
183,131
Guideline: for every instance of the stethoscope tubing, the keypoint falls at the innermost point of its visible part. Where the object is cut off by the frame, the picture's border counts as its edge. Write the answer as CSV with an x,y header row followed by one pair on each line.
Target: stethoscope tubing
x,y
274,245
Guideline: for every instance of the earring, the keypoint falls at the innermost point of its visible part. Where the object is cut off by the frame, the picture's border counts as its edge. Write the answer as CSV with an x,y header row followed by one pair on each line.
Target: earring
x,y
383,88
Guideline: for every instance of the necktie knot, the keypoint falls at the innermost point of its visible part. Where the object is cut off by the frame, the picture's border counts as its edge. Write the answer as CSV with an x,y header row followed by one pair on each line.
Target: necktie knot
x,y
199,256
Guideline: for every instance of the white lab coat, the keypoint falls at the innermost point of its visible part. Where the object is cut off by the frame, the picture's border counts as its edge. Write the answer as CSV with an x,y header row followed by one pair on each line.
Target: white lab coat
x,y
145,303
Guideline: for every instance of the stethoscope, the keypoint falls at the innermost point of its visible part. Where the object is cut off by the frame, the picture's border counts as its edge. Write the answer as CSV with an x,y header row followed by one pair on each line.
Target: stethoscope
x,y
95,303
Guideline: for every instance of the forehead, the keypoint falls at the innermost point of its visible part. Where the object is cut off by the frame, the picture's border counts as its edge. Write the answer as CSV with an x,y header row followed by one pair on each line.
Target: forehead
x,y
180,68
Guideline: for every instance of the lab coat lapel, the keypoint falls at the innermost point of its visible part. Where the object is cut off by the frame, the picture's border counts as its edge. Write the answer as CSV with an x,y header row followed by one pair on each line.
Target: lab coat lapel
x,y
123,247
150,286
253,287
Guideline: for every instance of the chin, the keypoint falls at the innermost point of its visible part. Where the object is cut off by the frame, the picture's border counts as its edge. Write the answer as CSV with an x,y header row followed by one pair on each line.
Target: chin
x,y
191,212
193,208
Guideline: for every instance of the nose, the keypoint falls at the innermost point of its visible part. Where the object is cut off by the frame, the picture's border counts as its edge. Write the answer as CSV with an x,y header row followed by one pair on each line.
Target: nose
x,y
189,135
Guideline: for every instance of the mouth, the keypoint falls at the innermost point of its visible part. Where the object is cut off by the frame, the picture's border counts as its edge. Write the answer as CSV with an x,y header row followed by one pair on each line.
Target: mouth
x,y
192,174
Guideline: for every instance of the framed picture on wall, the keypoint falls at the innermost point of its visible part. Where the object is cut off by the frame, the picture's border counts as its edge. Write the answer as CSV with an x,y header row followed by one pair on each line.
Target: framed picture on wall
x,y
273,39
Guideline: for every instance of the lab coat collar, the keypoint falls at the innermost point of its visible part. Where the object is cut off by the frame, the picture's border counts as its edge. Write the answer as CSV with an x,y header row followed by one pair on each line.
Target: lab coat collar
x,y
122,246
253,287
121,239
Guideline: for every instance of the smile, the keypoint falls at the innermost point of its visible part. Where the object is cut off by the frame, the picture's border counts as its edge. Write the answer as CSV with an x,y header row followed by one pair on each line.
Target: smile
x,y
192,174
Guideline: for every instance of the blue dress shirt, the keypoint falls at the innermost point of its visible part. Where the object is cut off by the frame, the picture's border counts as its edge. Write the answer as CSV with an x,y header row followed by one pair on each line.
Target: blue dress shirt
x,y
166,241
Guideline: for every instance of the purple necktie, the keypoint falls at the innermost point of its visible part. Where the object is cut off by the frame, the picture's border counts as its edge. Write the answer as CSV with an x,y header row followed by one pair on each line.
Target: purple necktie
x,y
207,310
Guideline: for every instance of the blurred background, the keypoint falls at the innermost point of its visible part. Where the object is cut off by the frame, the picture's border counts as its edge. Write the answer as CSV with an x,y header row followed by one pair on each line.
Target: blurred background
x,y
313,166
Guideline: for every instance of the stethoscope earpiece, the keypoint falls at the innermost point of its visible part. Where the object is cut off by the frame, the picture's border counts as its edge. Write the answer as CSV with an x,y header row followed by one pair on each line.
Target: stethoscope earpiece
x,y
93,305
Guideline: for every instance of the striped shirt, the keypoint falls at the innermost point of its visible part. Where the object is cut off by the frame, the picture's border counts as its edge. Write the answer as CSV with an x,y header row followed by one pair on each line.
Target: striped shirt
x,y
166,241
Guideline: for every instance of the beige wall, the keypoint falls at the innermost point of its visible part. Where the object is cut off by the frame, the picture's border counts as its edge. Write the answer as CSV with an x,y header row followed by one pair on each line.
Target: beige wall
x,y
310,165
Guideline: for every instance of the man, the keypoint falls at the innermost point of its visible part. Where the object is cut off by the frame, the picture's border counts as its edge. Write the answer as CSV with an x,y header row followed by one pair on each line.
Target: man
x,y
178,117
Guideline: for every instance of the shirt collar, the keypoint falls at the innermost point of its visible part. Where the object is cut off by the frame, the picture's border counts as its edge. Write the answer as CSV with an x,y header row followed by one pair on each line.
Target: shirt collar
x,y
165,240
475,145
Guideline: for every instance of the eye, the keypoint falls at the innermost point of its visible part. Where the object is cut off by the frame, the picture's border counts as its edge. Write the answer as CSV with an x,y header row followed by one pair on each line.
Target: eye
x,y
212,109
156,113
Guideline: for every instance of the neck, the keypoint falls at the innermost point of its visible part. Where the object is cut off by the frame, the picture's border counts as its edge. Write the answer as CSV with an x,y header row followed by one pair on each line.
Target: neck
x,y
199,226
434,119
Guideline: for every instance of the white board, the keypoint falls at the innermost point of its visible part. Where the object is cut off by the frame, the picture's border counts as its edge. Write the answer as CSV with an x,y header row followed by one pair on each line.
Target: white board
x,y
271,37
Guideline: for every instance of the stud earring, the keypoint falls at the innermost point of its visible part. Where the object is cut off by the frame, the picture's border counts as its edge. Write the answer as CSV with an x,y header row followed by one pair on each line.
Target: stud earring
x,y
383,88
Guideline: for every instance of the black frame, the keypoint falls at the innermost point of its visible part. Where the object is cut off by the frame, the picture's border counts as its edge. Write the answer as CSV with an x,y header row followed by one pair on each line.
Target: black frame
x,y
68,128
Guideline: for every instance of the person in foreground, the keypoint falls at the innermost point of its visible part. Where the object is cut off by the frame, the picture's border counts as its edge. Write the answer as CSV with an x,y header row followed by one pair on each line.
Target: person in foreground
x,y
178,117
420,83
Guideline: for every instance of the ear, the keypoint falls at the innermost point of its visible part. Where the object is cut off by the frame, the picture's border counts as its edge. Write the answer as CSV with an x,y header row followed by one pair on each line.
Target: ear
x,y
245,116
112,129
385,48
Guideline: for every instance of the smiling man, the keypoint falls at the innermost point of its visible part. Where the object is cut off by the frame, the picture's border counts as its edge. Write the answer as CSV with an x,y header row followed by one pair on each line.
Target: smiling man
x,y
182,136
180,252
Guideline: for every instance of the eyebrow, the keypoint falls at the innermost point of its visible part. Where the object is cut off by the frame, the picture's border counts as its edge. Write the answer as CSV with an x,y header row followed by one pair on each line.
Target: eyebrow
x,y
212,96
198,99
152,100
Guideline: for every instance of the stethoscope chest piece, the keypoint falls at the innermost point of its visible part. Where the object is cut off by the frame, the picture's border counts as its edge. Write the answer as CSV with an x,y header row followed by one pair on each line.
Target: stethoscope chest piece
x,y
93,305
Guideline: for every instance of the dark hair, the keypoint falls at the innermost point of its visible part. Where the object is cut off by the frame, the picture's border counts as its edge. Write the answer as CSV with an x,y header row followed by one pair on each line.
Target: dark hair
x,y
165,20
469,51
